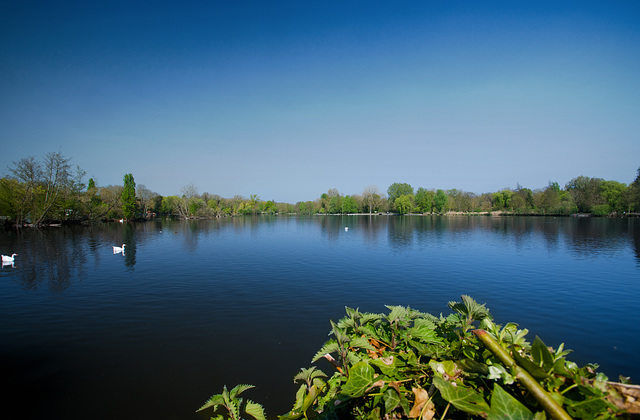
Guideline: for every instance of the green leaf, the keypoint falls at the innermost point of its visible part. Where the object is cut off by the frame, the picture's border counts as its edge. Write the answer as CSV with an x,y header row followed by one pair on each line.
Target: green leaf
x,y
447,367
255,410
213,401
470,365
329,347
396,313
362,343
360,378
424,331
391,399
239,389
386,365
310,398
504,406
541,354
535,370
461,397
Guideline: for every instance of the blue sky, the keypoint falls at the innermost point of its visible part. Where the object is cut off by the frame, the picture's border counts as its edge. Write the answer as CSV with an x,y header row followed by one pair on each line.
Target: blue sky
x,y
287,99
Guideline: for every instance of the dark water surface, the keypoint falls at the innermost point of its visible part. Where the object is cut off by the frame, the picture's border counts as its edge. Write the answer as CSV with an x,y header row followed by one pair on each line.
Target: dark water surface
x,y
192,306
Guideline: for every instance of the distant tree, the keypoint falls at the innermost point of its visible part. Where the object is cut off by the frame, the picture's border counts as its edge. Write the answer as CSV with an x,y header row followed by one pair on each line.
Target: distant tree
x,y
349,204
424,200
146,197
370,198
397,189
633,194
185,204
129,197
404,203
613,193
440,201
45,188
335,204
482,202
91,184
585,192
254,200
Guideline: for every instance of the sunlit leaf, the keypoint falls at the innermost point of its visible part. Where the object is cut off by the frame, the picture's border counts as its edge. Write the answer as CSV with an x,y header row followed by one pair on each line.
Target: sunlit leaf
x,y
255,410
535,370
541,354
386,365
360,379
446,367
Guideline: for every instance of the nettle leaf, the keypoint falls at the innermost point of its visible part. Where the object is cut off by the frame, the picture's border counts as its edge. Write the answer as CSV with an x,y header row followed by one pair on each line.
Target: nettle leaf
x,y
541,354
362,343
360,379
368,317
461,397
329,347
396,313
424,331
504,406
255,410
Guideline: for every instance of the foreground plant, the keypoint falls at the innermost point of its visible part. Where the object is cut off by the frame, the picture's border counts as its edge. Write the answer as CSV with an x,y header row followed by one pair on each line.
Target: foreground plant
x,y
409,364
233,405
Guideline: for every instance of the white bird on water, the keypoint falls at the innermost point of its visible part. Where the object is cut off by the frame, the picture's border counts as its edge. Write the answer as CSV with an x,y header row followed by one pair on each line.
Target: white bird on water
x,y
346,228
118,249
8,259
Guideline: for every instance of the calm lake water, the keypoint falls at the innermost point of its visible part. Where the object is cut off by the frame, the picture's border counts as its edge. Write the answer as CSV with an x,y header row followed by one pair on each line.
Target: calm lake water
x,y
195,305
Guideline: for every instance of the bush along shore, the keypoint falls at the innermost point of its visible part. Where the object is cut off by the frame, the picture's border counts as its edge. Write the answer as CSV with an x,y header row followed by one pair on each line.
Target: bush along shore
x,y
409,364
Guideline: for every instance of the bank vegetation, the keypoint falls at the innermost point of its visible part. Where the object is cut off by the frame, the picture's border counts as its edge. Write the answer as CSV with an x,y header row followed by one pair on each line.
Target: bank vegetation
x,y
52,190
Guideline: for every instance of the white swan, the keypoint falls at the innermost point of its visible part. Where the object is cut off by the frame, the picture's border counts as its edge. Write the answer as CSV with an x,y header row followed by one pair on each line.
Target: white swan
x,y
118,249
346,228
7,259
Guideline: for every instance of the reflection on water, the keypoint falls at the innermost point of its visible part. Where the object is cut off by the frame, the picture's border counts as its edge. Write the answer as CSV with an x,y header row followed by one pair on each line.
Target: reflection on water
x,y
190,306
52,256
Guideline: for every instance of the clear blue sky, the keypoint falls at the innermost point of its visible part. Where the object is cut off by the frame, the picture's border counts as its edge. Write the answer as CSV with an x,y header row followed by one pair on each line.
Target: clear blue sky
x,y
286,99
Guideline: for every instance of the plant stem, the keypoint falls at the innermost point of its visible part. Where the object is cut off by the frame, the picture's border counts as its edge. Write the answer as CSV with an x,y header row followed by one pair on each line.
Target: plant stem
x,y
553,408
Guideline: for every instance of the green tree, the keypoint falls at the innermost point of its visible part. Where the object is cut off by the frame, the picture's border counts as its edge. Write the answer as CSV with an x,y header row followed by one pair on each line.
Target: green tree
x,y
424,200
349,204
397,189
633,194
129,197
254,200
613,193
585,192
440,201
404,203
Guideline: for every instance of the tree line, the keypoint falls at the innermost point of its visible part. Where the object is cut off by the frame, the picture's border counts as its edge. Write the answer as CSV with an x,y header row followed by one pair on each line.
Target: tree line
x,y
52,190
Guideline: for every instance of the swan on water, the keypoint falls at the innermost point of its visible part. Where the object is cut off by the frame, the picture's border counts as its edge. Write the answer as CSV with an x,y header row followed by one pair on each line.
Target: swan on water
x,y
8,259
118,249
346,228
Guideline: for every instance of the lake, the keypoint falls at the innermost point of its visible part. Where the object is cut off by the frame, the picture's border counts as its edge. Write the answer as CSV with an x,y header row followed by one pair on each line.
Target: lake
x,y
194,305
